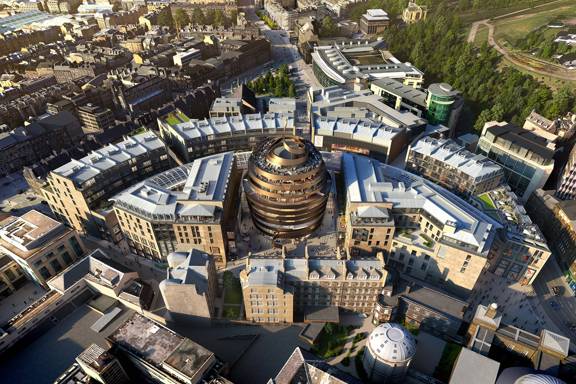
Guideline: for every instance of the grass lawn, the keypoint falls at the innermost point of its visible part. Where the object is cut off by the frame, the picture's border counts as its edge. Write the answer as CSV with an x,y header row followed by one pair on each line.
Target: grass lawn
x,y
487,201
481,14
138,131
172,120
449,356
515,27
232,289
231,312
481,36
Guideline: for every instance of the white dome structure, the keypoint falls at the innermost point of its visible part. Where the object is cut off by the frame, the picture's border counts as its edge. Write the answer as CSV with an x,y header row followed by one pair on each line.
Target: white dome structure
x,y
389,351
535,378
524,375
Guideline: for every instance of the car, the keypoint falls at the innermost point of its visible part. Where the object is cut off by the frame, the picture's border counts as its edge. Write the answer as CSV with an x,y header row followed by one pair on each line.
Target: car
x,y
557,290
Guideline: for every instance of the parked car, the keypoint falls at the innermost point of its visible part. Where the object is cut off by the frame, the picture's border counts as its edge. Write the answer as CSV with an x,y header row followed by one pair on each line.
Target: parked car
x,y
557,290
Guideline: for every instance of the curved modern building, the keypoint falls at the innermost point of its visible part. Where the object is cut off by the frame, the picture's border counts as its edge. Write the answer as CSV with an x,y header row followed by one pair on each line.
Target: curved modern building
x,y
287,187
388,353
443,103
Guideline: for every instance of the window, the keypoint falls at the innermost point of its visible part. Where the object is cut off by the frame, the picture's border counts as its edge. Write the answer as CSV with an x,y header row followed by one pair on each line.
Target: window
x,y
44,272
66,257
76,246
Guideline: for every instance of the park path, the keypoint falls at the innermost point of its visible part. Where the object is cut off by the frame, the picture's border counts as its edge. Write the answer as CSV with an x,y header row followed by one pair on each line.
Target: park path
x,y
560,73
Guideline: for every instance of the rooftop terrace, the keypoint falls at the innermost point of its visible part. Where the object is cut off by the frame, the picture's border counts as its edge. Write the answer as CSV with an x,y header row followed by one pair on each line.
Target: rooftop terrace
x,y
28,231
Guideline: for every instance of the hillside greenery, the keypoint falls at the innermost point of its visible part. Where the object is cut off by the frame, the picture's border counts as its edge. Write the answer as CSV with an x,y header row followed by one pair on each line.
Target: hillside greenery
x,y
395,7
491,91
540,43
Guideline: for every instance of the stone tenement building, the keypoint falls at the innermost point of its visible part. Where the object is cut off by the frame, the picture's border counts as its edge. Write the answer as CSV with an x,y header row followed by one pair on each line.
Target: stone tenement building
x,y
77,192
29,144
191,206
423,230
275,290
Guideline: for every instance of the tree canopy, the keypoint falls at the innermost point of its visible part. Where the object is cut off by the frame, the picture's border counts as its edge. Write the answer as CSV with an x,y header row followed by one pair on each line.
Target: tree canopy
x,y
437,47
165,19
328,27
181,18
277,85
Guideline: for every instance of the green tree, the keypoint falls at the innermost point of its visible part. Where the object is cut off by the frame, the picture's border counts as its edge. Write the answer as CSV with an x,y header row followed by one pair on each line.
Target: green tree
x,y
219,18
328,28
270,82
561,102
210,16
165,19
231,19
278,89
181,18
198,17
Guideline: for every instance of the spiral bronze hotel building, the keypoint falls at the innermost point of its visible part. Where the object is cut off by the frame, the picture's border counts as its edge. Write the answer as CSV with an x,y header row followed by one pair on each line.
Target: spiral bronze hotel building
x,y
287,187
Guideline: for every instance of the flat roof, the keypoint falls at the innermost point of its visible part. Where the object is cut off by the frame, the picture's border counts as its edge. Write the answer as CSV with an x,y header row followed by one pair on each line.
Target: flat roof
x,y
455,156
186,191
331,100
160,346
437,300
474,368
21,235
376,15
109,157
555,342
523,138
325,314
188,268
97,266
397,88
370,181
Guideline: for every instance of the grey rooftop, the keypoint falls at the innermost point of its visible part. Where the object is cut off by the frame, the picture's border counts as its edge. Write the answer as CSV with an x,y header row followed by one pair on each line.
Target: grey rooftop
x,y
368,181
186,191
477,167
227,126
109,157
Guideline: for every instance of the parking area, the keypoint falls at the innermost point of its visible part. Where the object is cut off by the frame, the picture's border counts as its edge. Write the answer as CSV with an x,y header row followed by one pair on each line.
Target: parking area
x,y
17,198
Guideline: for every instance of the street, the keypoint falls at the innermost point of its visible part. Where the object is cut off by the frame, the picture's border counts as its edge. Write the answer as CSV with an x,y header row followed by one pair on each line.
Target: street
x,y
561,308
283,52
